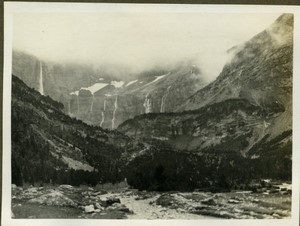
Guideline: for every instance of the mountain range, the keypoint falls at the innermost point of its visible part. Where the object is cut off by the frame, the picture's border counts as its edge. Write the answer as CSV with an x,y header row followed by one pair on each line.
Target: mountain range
x,y
162,129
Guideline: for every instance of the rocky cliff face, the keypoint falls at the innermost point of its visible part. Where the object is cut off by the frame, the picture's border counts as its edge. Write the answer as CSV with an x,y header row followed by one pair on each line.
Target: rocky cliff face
x,y
260,71
101,99
250,102
160,92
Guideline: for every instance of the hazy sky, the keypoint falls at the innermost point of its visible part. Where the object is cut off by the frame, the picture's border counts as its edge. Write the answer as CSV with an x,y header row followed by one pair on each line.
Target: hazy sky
x,y
136,40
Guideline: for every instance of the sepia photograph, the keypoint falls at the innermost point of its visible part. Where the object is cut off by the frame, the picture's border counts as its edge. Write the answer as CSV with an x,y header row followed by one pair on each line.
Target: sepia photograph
x,y
149,112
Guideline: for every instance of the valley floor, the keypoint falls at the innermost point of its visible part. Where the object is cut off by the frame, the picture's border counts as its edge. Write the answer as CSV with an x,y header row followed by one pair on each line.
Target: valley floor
x,y
65,201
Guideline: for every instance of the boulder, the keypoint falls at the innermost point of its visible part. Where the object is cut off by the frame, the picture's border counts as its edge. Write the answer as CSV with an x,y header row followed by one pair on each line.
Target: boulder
x,y
65,186
119,207
109,201
89,209
31,190
208,201
233,201
98,206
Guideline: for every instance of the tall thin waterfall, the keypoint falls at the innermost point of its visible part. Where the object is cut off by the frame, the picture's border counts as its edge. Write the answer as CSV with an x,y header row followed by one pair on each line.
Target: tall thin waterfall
x,y
102,113
102,118
104,104
163,100
77,105
91,108
147,104
41,86
69,108
114,113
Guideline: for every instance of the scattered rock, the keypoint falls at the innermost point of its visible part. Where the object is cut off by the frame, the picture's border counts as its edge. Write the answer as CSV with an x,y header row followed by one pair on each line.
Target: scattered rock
x,y
275,215
208,201
65,186
98,206
273,191
255,200
119,207
164,200
111,200
143,196
233,201
198,208
13,187
31,190
89,209
98,193
181,210
54,198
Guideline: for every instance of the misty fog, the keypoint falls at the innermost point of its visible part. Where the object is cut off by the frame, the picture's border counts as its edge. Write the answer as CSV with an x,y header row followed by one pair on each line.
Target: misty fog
x,y
133,42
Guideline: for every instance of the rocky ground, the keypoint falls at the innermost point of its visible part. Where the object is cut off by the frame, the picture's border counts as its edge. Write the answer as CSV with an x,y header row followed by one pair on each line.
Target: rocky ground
x,y
65,201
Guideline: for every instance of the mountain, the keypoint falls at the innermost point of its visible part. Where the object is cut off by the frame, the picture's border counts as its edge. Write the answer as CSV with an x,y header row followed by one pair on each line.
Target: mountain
x,y
246,110
104,97
49,146
260,71
173,132
151,91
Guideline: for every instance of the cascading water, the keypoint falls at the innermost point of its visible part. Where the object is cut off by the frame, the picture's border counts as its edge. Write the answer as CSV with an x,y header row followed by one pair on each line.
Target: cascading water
x,y
163,100
41,88
102,113
69,108
147,104
102,118
77,105
114,113
91,108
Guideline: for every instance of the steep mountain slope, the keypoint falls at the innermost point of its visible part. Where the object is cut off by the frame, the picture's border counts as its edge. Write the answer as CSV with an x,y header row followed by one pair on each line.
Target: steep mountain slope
x,y
49,146
247,110
260,71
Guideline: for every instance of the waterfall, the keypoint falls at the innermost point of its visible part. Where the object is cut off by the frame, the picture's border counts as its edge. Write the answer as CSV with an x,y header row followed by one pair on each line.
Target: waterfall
x,y
91,108
102,118
114,113
41,89
102,113
78,105
163,99
69,108
104,104
147,104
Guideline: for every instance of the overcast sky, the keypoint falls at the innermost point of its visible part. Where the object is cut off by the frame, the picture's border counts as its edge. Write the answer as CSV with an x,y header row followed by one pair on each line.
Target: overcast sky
x,y
136,40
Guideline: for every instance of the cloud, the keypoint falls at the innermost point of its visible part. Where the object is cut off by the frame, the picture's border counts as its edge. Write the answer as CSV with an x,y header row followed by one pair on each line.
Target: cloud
x,y
136,41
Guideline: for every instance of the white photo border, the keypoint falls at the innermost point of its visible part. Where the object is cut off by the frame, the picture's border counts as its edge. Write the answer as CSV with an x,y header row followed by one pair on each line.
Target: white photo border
x,y
16,7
